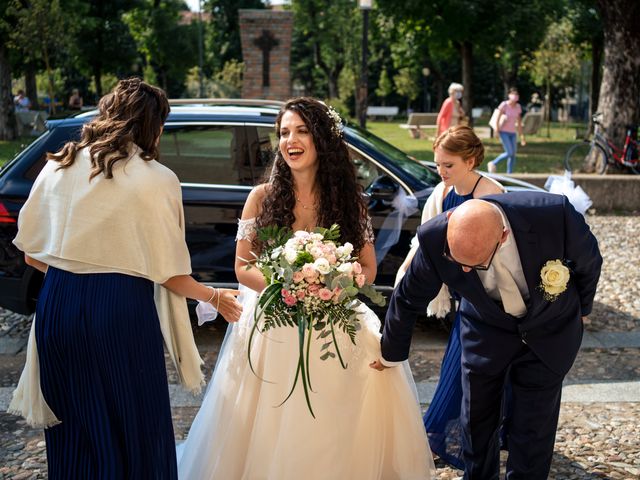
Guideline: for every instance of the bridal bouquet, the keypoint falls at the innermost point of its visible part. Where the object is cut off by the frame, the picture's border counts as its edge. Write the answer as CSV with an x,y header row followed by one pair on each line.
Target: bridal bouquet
x,y
313,283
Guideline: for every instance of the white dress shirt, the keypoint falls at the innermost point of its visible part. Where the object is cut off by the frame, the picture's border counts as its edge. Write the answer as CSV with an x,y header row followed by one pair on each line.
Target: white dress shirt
x,y
508,254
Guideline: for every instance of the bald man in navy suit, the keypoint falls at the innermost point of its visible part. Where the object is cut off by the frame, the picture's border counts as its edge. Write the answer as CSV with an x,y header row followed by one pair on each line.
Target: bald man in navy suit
x,y
511,324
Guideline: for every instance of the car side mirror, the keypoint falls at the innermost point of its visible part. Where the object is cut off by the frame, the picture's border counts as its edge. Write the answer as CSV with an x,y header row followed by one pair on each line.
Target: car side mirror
x,y
383,188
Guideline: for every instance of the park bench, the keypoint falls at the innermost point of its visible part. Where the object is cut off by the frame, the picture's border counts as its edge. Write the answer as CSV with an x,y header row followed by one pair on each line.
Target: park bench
x,y
388,112
31,122
531,123
419,121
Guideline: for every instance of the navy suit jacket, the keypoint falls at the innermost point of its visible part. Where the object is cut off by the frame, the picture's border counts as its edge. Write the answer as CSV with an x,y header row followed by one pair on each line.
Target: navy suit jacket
x,y
545,227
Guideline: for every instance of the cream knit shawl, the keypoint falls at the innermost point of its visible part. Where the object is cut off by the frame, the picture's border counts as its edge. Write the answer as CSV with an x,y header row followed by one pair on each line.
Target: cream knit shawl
x,y
131,224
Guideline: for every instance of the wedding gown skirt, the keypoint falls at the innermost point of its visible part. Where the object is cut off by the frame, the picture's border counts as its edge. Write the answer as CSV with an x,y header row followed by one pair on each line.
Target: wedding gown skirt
x,y
368,424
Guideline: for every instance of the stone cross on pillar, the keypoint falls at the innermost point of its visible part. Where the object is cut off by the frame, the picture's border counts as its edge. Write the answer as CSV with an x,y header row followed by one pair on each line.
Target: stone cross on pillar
x,y
266,53
266,42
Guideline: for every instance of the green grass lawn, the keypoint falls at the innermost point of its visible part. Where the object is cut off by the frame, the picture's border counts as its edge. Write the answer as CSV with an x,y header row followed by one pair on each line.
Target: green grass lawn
x,y
8,150
542,154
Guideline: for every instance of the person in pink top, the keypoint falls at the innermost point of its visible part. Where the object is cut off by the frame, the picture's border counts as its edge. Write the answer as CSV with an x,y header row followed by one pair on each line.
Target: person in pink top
x,y
512,111
451,111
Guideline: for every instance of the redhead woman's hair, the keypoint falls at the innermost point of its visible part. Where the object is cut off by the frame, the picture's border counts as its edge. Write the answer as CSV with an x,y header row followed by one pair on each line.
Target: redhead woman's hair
x,y
462,141
340,196
134,112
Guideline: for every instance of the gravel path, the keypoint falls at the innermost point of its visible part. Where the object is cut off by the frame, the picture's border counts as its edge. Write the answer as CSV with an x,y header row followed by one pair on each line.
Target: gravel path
x,y
594,440
617,302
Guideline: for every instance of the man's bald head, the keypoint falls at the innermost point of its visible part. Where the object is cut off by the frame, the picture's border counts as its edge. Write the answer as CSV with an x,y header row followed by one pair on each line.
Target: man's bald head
x,y
475,228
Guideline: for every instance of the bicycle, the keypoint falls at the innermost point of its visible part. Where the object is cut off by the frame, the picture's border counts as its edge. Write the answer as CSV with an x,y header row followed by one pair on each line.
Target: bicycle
x,y
599,152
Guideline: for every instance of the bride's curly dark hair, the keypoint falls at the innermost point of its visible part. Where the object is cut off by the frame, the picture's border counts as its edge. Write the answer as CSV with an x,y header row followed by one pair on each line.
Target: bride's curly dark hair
x,y
133,112
340,196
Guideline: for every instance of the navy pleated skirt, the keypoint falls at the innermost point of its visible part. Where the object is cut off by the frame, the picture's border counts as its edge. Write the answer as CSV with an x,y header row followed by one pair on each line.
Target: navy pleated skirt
x,y
442,419
102,372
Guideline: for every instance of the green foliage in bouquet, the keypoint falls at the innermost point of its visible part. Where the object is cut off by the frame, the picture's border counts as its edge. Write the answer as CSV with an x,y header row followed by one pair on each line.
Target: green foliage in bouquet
x,y
313,284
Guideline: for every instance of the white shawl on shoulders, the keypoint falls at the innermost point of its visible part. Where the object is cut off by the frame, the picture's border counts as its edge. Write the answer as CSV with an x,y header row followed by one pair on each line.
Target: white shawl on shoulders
x,y
131,224
441,305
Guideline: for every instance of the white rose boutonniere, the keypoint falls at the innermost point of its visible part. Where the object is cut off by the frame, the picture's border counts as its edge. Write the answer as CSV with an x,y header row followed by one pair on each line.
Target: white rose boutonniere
x,y
555,277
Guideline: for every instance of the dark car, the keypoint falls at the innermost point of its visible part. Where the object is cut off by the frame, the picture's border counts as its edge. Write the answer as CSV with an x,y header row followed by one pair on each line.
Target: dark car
x,y
219,150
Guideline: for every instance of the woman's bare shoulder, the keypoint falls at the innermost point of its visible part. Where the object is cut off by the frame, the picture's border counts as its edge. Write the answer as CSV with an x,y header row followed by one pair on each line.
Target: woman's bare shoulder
x,y
254,201
260,190
488,186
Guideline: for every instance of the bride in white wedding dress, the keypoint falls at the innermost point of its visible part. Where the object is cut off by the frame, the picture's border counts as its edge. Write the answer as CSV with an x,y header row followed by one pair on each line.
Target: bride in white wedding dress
x,y
367,424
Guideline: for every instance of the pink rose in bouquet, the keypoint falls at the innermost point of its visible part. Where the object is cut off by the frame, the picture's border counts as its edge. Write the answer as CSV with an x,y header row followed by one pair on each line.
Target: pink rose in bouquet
x,y
313,285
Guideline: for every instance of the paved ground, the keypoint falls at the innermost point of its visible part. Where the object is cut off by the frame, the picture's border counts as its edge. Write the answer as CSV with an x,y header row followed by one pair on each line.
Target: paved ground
x,y
598,435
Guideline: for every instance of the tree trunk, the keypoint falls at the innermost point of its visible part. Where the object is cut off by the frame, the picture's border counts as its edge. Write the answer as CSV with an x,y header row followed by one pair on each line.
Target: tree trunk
x,y
332,78
620,88
97,78
31,86
439,91
52,98
506,84
594,85
162,77
509,76
7,111
466,52
96,59
547,105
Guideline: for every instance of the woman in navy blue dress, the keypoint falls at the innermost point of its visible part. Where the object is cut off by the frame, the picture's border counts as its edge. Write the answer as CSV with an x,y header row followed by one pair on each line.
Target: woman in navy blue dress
x,y
104,222
458,153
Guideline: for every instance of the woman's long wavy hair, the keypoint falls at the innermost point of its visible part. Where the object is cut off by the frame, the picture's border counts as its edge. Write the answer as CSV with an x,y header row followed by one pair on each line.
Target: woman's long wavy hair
x,y
134,112
340,196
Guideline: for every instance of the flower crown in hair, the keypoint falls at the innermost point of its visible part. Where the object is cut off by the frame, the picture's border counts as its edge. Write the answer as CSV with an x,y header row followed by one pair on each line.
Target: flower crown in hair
x,y
336,128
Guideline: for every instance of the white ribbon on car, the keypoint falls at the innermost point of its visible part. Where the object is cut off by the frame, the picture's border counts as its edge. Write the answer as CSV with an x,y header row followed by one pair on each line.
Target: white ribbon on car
x,y
403,207
563,185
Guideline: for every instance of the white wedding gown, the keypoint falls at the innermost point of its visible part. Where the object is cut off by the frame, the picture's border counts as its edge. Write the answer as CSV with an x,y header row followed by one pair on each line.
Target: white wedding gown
x,y
368,424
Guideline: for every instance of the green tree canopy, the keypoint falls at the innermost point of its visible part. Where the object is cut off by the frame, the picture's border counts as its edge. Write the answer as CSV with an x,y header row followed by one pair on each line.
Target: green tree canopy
x,y
42,33
169,48
103,42
7,117
223,32
327,38
472,26
556,62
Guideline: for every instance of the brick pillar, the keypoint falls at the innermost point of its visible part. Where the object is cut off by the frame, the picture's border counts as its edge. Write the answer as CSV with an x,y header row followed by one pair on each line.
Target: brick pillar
x,y
277,26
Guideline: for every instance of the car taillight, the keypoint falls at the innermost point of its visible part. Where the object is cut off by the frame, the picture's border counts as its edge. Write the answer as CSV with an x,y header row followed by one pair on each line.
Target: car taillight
x,y
5,216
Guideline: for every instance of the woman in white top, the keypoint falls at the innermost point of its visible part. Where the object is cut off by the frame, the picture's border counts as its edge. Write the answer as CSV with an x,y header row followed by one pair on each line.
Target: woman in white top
x,y
22,102
367,424
104,221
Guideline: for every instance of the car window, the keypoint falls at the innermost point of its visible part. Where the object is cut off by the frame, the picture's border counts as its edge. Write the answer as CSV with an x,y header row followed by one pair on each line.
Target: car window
x,y
206,154
409,164
366,170
262,147
34,169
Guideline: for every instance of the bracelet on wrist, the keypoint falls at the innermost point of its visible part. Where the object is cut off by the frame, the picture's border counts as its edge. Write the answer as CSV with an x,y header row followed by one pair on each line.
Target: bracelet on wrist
x,y
213,294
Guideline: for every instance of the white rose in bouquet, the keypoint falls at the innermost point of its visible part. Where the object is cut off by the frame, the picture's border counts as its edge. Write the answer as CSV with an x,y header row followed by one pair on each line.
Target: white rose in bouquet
x,y
322,265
